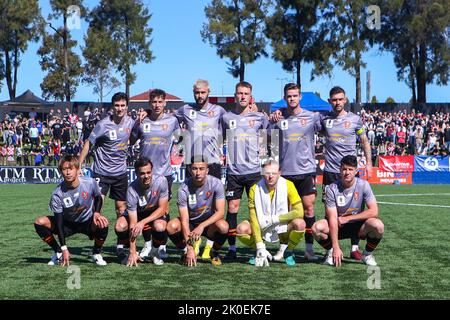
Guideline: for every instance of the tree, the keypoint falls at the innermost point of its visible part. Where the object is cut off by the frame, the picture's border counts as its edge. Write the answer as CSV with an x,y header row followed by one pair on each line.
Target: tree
x,y
374,99
98,70
235,28
390,100
295,37
19,20
124,24
53,55
416,32
347,22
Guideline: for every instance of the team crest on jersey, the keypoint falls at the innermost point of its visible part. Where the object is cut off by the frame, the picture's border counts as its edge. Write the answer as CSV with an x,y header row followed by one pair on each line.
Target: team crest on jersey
x,y
251,123
303,122
193,114
84,195
154,193
147,127
347,124
112,135
356,196
329,123
127,130
68,202
192,199
211,113
142,201
341,201
207,194
284,125
165,126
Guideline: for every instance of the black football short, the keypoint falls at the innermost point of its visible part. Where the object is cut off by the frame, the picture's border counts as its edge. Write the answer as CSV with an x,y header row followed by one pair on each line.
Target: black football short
x,y
71,228
118,186
237,183
304,183
169,185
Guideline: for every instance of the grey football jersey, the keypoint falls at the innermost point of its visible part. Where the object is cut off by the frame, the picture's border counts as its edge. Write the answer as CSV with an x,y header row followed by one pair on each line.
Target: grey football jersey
x,y
341,135
76,205
348,201
145,201
200,201
110,142
297,148
242,134
204,131
156,142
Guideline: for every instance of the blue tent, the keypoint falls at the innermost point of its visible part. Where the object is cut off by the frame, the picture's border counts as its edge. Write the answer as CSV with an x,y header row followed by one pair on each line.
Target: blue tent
x,y
309,102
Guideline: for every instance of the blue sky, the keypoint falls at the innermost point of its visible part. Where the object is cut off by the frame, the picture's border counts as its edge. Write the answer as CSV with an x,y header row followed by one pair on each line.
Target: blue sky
x,y
181,57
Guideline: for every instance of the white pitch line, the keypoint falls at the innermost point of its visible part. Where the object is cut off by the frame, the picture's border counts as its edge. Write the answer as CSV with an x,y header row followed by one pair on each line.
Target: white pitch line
x,y
412,194
414,204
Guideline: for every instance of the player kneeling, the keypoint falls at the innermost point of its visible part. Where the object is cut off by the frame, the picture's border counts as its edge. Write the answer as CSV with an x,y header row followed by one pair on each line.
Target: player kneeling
x,y
345,199
147,205
76,204
270,219
201,204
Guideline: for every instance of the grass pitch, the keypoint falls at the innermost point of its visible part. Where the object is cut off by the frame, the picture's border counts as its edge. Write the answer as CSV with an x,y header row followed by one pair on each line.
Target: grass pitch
x,y
413,257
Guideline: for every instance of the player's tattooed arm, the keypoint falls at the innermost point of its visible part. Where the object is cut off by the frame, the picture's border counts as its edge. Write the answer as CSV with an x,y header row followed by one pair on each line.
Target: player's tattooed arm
x,y
367,153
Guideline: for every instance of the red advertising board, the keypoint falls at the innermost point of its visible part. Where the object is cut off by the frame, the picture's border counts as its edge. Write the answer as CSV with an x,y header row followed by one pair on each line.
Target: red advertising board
x,y
396,163
381,177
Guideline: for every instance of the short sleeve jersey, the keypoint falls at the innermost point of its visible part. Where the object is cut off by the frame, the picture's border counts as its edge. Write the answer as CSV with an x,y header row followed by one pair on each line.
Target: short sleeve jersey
x,y
156,139
204,130
145,201
341,133
297,147
76,205
242,134
348,201
110,142
200,202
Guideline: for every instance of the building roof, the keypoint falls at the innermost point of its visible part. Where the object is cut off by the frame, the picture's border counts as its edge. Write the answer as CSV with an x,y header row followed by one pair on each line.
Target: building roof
x,y
27,98
141,97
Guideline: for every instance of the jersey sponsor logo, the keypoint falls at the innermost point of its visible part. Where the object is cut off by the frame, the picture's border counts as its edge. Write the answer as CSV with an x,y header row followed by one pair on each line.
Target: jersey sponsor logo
x,y
193,114
284,125
211,113
147,127
232,124
165,126
329,123
347,124
303,122
230,193
112,135
142,201
192,199
341,201
68,202
84,195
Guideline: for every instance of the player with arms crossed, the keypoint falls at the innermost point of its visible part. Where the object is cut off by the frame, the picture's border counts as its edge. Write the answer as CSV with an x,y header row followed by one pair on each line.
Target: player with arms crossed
x,y
345,218
76,204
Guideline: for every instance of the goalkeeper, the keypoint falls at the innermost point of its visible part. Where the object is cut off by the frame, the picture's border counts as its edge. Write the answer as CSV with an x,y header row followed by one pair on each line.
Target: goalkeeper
x,y
276,214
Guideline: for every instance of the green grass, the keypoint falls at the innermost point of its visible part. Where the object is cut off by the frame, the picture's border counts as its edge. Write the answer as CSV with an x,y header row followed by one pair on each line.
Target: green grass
x,y
413,258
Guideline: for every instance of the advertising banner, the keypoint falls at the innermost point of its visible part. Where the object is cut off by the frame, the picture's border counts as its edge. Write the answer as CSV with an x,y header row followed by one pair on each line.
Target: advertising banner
x,y
396,163
431,164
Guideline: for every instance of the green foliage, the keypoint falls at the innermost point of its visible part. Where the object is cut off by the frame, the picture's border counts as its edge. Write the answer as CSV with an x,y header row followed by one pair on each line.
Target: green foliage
x,y
374,99
52,61
390,100
416,32
296,37
19,20
235,28
124,26
414,242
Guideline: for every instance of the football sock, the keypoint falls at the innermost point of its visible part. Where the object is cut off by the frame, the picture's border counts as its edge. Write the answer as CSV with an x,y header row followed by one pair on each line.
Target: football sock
x,y
246,239
122,237
47,236
326,244
178,240
147,232
232,223
371,244
99,239
294,238
308,231
159,238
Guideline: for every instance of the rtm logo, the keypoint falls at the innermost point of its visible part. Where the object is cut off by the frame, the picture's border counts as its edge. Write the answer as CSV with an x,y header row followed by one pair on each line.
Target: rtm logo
x,y
374,280
373,20
74,280
73,17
